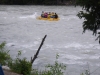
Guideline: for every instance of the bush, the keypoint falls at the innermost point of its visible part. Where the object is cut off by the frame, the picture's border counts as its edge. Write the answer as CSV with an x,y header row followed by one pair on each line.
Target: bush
x,y
21,66
55,69
4,56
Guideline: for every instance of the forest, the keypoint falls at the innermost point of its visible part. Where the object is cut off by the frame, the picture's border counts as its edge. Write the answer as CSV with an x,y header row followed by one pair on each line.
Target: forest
x,y
37,2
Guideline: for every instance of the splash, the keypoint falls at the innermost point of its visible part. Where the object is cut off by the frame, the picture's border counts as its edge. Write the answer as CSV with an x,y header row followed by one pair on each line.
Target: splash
x,y
29,16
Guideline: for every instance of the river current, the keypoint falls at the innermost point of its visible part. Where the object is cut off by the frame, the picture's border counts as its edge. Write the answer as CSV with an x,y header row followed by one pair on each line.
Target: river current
x,y
22,31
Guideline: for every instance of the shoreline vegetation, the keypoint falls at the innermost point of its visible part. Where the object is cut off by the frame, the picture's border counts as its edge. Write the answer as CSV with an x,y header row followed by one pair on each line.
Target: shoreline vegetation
x,y
38,2
20,66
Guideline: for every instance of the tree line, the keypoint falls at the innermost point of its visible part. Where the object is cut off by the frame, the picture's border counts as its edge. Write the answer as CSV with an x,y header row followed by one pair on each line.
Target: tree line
x,y
34,2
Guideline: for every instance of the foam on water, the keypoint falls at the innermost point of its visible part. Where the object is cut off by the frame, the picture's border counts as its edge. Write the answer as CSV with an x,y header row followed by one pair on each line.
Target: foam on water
x,y
29,16
74,62
68,17
22,32
80,46
21,45
11,44
71,57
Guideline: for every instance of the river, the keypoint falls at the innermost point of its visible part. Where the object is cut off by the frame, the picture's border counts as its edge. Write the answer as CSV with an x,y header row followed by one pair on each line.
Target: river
x,y
22,31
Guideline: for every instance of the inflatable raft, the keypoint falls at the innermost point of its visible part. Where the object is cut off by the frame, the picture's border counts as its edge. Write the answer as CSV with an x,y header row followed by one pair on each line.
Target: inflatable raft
x,y
48,19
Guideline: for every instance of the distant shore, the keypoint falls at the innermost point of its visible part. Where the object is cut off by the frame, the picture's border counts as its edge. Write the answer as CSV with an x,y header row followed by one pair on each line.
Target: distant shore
x,y
65,3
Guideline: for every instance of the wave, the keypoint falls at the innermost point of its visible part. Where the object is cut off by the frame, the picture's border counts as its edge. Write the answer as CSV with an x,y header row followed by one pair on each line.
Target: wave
x,y
68,17
82,46
29,16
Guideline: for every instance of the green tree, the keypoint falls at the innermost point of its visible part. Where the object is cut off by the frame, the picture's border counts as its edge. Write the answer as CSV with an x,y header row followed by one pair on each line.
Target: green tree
x,y
91,15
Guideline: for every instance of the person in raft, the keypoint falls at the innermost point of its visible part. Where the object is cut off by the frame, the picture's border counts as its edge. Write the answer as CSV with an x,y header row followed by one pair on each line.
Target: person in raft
x,y
55,16
49,15
45,15
42,14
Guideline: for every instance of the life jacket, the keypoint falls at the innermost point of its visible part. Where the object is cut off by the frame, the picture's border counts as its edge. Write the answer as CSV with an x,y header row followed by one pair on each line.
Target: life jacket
x,y
45,15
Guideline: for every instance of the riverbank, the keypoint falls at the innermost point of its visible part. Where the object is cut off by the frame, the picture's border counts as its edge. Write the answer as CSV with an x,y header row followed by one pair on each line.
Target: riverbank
x,y
8,72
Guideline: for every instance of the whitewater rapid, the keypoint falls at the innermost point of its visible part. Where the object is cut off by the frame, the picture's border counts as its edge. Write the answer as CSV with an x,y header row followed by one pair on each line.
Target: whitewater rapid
x,y
22,31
